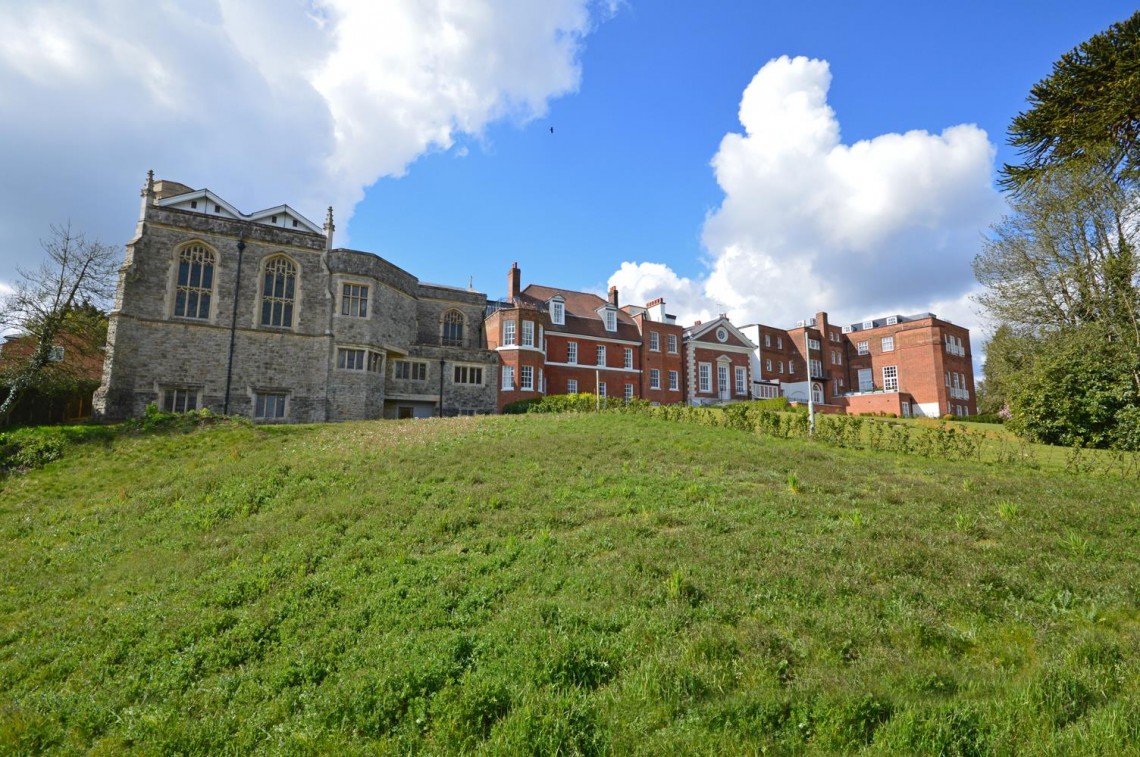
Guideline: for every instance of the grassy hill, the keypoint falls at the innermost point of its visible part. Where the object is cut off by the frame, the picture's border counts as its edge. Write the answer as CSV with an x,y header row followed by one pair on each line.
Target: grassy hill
x,y
574,584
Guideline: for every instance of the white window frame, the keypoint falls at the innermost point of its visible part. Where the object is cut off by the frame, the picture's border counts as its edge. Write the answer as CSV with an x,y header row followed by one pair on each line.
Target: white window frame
x,y
767,340
627,359
654,341
526,378
863,348
672,340
704,378
508,375
558,312
571,386
528,333
601,388
816,368
890,378
572,353
508,332
628,392
600,355
887,344
866,379
654,378
674,381
768,364
611,319
741,380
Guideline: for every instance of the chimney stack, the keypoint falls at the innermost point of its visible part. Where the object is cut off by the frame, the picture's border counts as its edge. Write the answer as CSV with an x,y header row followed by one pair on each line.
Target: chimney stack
x,y
514,281
614,296
656,310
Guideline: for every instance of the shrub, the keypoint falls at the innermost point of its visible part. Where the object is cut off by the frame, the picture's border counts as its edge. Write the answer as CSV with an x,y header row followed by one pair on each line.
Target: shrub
x,y
34,452
518,407
981,418
156,420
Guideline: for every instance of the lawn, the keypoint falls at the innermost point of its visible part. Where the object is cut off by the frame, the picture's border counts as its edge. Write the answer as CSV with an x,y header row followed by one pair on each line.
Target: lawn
x,y
561,584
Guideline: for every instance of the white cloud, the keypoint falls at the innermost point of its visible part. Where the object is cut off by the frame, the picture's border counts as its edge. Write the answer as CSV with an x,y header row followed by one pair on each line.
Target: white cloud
x,y
307,103
638,283
808,223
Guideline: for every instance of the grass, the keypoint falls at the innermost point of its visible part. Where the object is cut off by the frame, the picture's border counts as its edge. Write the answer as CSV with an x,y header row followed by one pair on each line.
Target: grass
x,y
560,584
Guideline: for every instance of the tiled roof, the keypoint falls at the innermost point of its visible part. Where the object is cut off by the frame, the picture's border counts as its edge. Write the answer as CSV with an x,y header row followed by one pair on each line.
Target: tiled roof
x,y
581,313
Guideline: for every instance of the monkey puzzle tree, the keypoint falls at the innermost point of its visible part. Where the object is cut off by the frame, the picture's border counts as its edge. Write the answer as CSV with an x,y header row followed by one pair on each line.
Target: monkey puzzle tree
x,y
1060,271
1086,111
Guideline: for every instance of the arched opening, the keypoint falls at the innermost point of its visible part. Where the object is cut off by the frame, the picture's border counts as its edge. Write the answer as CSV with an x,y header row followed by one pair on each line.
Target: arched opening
x,y
278,292
451,334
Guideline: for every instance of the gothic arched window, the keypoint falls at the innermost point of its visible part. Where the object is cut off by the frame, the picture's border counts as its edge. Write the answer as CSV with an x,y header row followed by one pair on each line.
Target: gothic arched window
x,y
195,283
452,335
278,292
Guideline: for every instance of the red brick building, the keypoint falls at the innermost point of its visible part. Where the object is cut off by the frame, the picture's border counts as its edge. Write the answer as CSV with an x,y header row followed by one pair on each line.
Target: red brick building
x,y
923,360
717,363
662,374
906,365
67,383
557,341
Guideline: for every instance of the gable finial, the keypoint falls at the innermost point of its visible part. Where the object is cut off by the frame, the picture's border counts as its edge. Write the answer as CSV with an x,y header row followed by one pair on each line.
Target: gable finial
x,y
148,187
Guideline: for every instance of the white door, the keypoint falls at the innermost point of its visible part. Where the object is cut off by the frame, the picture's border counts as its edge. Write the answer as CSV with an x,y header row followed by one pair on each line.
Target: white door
x,y
722,381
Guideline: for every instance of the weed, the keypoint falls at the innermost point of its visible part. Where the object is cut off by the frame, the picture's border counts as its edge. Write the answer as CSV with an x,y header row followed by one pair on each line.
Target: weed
x,y
1075,544
965,523
1007,510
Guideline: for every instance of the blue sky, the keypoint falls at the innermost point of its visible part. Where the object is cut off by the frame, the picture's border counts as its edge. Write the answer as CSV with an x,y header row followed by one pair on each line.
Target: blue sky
x,y
429,131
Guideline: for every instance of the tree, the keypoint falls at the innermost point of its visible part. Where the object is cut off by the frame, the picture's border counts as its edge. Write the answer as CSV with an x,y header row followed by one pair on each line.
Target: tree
x,y
1060,271
1008,353
1064,258
59,298
1076,391
1087,111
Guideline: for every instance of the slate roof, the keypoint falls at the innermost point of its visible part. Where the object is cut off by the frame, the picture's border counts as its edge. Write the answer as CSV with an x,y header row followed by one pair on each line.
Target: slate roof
x,y
581,313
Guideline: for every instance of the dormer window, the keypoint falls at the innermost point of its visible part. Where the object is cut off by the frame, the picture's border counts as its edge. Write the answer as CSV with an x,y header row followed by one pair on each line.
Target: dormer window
x,y
558,312
611,320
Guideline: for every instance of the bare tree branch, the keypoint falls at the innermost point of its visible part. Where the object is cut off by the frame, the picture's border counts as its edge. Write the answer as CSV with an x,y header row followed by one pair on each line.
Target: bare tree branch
x,y
75,278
